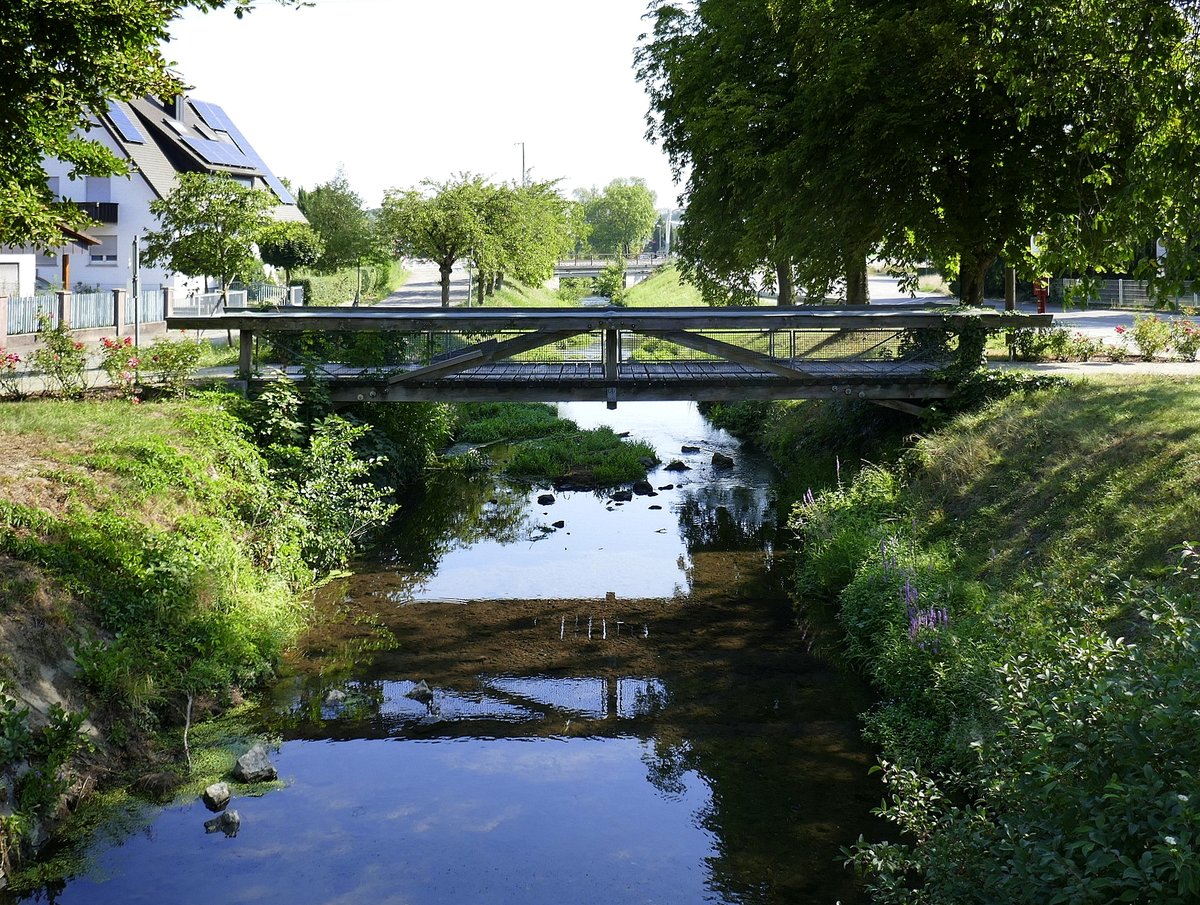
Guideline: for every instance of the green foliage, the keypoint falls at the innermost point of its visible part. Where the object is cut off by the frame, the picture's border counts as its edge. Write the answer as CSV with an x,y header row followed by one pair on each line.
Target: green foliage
x,y
1152,334
665,288
572,289
621,218
1185,338
611,282
489,422
119,360
173,361
208,226
348,234
10,375
289,245
60,358
586,458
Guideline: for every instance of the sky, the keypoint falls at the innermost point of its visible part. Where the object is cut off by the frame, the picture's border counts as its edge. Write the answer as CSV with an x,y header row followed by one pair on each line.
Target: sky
x,y
396,91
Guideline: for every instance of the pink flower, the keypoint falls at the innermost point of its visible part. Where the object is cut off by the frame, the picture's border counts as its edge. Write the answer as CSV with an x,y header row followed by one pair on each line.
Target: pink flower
x,y
1120,329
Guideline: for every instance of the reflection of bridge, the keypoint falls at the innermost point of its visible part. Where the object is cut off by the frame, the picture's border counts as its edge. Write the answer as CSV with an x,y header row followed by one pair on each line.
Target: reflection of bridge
x,y
886,355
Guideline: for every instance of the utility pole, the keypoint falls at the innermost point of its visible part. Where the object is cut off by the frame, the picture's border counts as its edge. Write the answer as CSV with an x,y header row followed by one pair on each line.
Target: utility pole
x,y
136,268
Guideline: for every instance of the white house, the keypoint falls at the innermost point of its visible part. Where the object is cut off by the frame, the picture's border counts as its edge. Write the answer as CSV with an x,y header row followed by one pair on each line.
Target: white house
x,y
160,139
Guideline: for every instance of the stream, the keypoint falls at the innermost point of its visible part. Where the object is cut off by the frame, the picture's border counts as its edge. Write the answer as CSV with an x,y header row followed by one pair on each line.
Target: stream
x,y
625,708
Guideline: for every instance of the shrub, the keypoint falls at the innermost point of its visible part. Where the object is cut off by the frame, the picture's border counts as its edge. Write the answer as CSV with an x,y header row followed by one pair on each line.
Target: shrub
x,y
61,358
174,362
611,282
572,289
119,360
1185,339
10,375
1151,333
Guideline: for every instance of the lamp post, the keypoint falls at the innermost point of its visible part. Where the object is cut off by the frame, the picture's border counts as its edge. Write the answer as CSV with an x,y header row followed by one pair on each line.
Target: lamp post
x,y
523,170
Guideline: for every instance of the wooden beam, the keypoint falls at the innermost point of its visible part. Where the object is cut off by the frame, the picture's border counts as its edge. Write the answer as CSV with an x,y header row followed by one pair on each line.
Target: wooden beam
x,y
481,353
730,352
907,407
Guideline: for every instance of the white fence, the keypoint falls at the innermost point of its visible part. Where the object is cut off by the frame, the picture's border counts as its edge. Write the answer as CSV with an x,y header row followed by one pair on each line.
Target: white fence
x,y
205,304
149,307
92,309
23,312
1130,294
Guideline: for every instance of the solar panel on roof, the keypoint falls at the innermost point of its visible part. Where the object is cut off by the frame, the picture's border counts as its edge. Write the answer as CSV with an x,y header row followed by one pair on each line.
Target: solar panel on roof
x,y
218,152
124,124
216,118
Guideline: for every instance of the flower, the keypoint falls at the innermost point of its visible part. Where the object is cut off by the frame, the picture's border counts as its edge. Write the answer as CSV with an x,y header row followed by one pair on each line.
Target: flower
x,y
1120,329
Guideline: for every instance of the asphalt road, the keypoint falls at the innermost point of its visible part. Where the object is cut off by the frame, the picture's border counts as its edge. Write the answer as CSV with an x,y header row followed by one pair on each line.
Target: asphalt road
x,y
424,287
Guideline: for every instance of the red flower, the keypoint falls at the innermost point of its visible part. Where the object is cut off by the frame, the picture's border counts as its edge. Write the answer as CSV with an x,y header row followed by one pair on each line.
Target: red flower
x,y
1120,329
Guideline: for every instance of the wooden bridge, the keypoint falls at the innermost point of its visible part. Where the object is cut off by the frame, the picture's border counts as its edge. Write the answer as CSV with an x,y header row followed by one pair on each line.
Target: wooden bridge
x,y
892,356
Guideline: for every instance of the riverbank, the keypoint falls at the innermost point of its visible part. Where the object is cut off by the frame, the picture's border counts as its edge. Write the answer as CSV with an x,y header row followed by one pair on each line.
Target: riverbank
x,y
1019,585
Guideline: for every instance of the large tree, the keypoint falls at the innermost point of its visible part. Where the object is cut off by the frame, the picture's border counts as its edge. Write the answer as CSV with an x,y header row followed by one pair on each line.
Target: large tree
x,y
621,217
208,226
346,229
60,60
951,130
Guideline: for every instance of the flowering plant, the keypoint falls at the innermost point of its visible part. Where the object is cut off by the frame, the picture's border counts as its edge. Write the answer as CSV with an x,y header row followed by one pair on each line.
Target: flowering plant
x,y
1185,339
61,358
10,377
119,360
1151,333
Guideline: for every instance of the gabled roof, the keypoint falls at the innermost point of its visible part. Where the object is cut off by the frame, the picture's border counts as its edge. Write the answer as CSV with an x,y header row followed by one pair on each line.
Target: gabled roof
x,y
185,135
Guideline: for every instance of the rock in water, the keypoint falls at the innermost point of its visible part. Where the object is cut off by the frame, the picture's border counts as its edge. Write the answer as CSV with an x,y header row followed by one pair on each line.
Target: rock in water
x,y
622,496
689,449
546,499
216,796
253,766
643,488
335,696
647,462
559,524
228,823
676,465
720,460
421,692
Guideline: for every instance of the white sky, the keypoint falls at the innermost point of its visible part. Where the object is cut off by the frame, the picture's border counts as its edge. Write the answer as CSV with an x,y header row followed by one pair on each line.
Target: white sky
x,y
400,90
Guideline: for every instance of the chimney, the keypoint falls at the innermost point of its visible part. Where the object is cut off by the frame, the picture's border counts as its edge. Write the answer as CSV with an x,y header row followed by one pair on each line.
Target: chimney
x,y
177,111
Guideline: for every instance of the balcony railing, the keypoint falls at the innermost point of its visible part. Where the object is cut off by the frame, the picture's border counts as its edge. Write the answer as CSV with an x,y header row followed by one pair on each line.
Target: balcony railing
x,y
101,211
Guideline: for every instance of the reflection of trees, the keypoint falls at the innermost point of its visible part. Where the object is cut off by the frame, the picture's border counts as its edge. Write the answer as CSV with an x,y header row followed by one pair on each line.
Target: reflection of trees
x,y
717,518
454,510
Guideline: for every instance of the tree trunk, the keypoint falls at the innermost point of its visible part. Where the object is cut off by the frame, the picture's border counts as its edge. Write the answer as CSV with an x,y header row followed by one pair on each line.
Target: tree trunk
x,y
972,269
491,286
445,269
783,281
500,280
481,285
857,293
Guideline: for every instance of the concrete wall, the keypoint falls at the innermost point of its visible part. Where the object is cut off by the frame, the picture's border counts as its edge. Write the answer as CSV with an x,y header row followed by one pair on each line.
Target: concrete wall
x,y
26,271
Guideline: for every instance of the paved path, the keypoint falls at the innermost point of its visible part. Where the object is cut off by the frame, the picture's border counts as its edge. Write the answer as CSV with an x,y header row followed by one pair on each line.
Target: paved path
x,y
424,287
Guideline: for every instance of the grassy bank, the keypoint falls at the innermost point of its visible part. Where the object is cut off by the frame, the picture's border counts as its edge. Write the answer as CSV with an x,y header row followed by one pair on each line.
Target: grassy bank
x,y
152,559
1020,588
663,289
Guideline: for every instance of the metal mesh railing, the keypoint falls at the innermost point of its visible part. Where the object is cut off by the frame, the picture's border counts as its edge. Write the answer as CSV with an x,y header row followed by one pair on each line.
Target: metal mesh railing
x,y
1126,294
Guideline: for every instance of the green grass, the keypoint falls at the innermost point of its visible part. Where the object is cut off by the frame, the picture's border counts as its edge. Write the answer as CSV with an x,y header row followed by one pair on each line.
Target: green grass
x,y
489,422
586,458
664,289
517,295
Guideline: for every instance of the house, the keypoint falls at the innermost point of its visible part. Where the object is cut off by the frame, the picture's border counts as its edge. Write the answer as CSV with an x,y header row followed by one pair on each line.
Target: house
x,y
160,139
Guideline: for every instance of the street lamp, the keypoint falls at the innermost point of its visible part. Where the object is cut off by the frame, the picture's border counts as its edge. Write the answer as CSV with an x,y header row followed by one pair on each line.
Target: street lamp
x,y
523,170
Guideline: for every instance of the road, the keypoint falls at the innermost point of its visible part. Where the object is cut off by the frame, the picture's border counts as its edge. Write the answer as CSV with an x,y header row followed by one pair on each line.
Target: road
x,y
424,287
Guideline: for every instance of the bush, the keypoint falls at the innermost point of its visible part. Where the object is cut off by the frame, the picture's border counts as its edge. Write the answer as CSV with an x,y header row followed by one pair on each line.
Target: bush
x,y
611,282
572,289
119,360
1185,339
10,375
1152,334
61,358
174,362
587,458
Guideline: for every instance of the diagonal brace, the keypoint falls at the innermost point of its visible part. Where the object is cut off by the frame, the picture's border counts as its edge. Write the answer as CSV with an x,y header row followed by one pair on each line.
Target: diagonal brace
x,y
729,352
482,353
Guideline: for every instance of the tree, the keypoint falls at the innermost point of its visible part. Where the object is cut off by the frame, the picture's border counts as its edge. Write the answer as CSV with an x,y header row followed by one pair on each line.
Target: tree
x,y
440,222
621,217
288,245
336,212
949,131
208,226
61,61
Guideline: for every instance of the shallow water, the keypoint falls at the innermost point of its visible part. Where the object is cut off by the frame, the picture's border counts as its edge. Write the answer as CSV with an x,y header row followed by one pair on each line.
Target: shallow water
x,y
625,709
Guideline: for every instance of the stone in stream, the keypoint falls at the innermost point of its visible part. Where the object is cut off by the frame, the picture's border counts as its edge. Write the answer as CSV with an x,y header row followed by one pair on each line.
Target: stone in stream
x,y
689,449
228,823
667,487
253,766
656,506
216,796
621,496
720,460
421,692
546,499
335,696
648,461
559,524
643,488
676,465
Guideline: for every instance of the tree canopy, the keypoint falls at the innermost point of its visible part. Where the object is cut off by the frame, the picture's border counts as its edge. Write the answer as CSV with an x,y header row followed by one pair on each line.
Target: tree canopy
x,y
208,226
521,230
62,60
817,131
288,245
348,232
621,217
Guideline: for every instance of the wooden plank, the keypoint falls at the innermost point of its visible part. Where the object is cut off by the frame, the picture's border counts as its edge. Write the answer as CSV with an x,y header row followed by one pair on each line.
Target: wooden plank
x,y
730,352
482,353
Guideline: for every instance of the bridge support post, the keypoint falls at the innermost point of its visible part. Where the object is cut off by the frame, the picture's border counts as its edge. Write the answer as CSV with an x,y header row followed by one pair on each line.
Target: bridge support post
x,y
612,355
245,353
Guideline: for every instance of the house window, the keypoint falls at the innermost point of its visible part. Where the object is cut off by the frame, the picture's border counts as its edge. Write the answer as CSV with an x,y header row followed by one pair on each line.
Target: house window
x,y
98,188
106,252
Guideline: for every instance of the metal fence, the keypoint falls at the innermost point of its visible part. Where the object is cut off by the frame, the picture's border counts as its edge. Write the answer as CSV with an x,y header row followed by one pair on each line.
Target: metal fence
x,y
23,312
91,309
206,304
1127,294
149,308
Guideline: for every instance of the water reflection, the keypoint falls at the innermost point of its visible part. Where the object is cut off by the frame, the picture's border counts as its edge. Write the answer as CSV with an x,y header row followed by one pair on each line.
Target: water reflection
x,y
624,710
